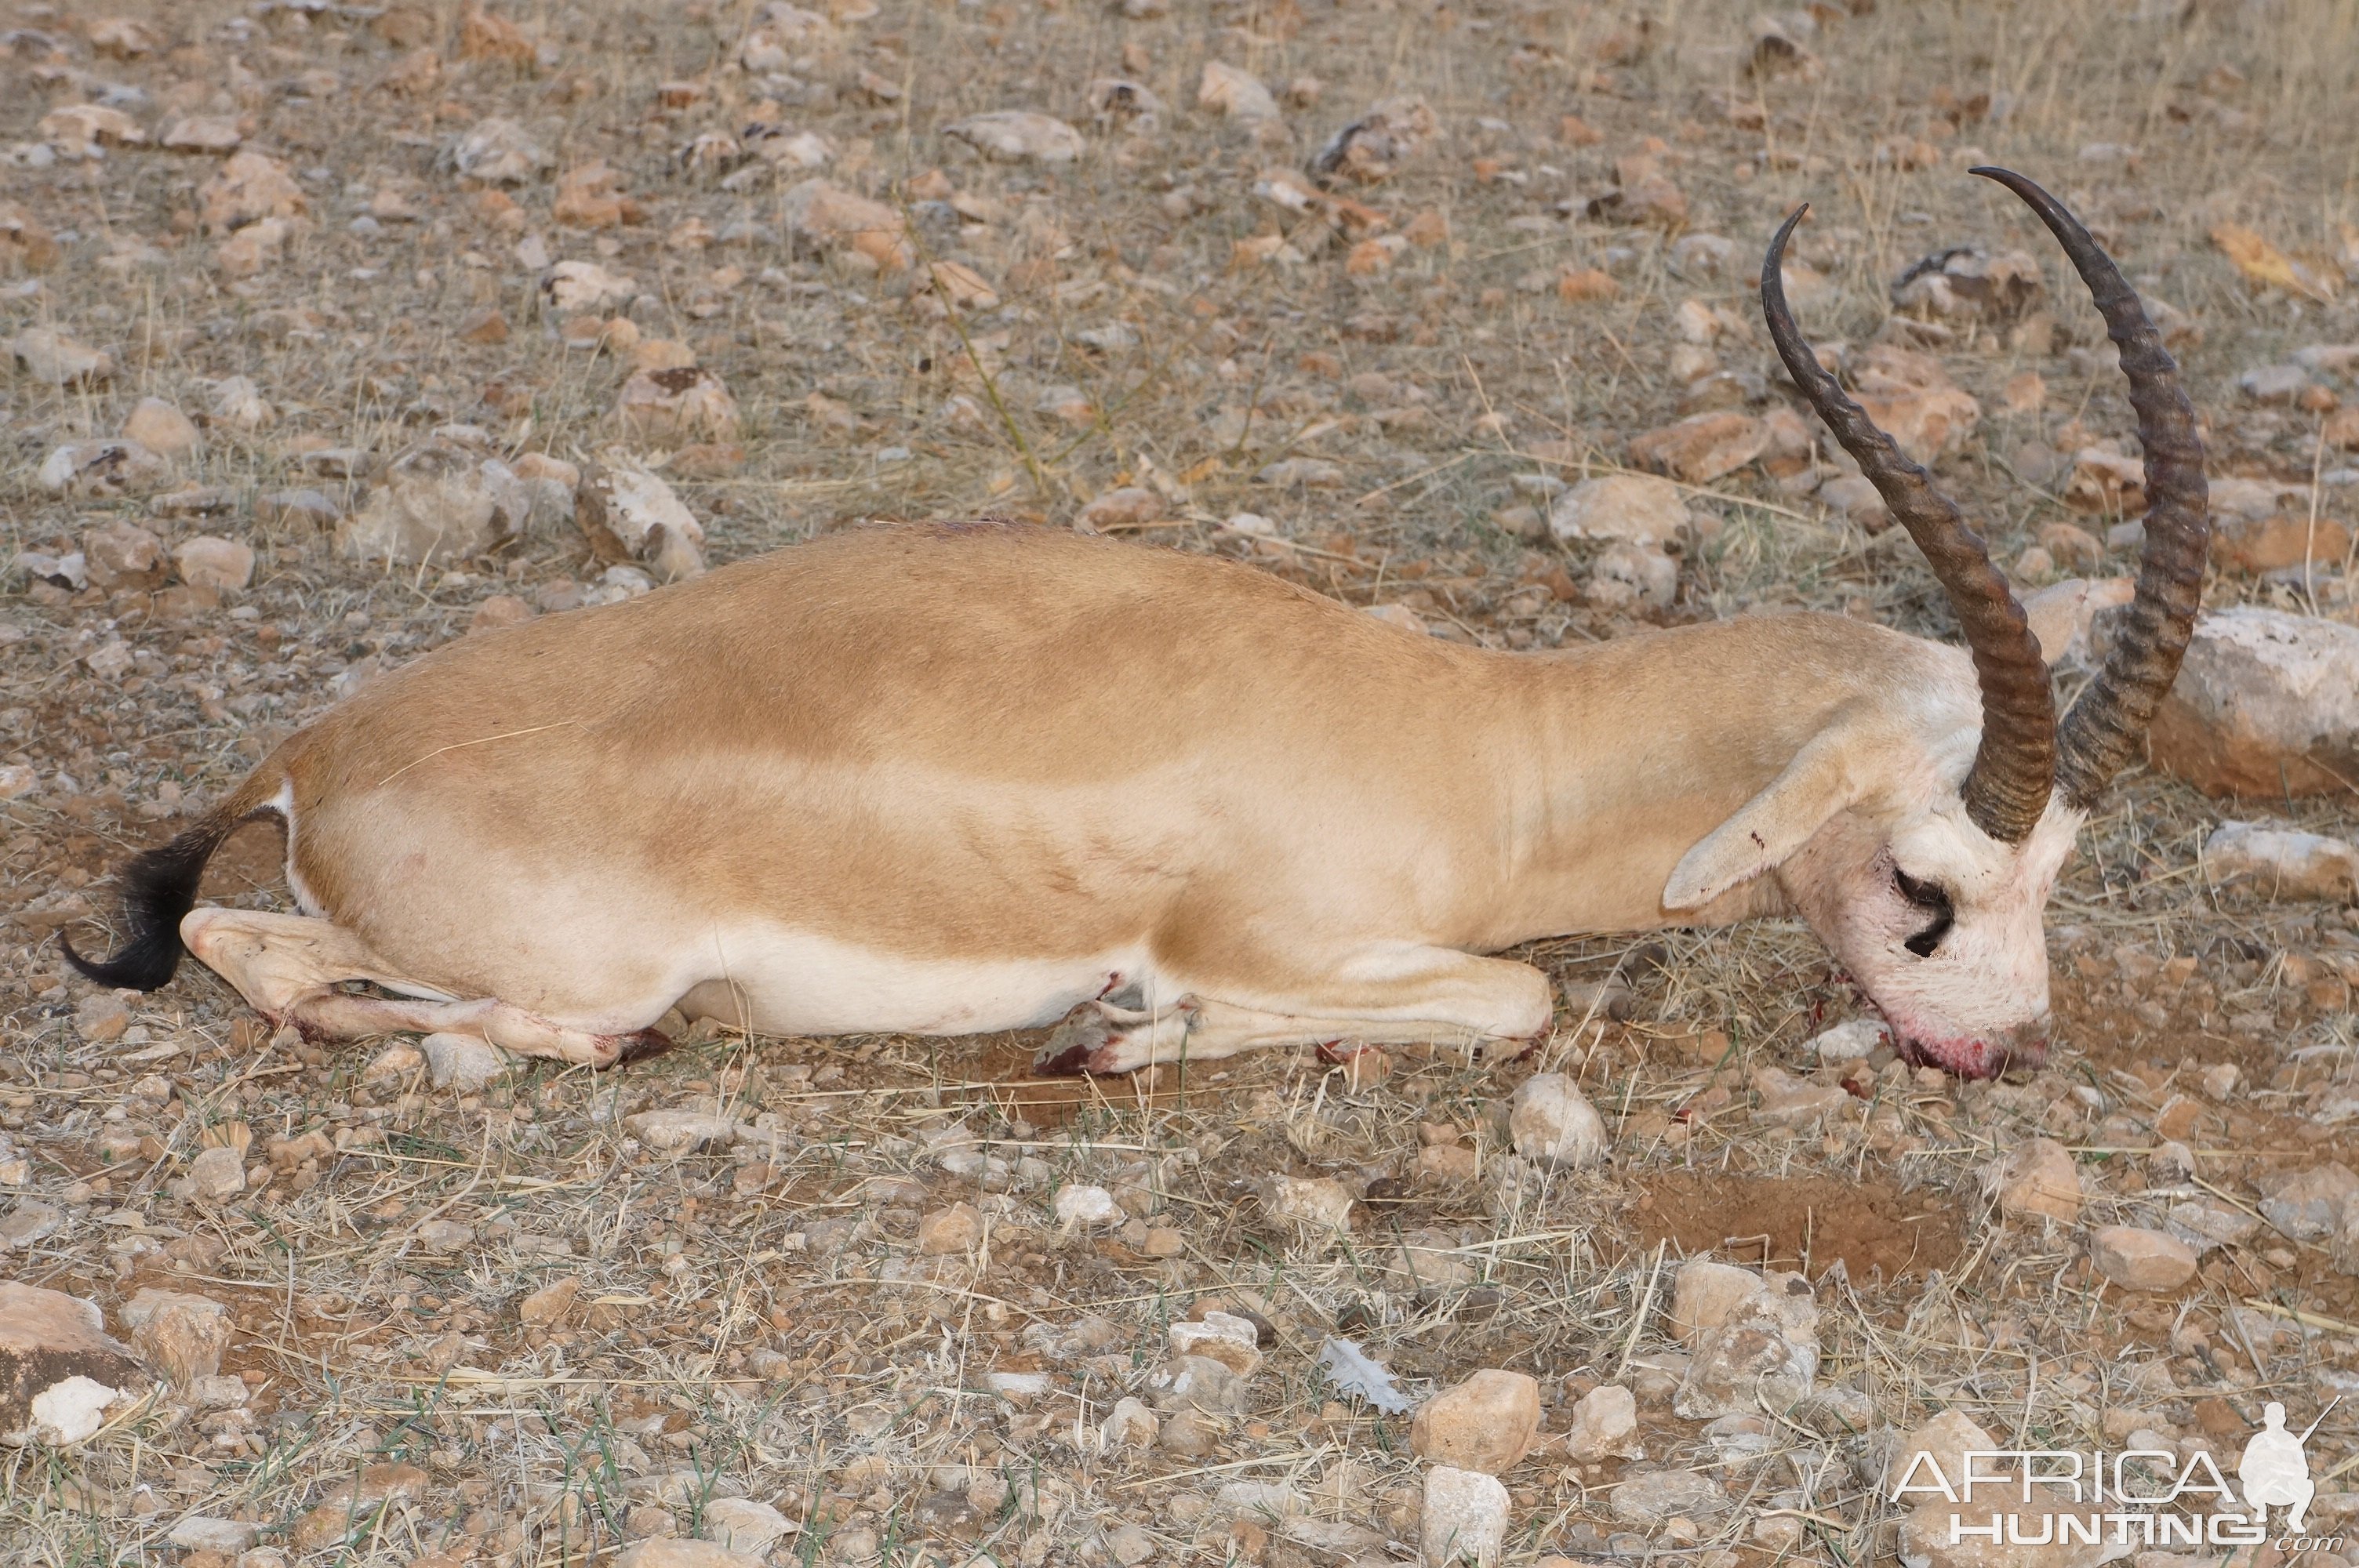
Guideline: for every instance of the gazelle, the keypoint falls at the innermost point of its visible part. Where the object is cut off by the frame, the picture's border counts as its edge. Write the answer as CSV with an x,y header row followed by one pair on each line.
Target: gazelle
x,y
973,776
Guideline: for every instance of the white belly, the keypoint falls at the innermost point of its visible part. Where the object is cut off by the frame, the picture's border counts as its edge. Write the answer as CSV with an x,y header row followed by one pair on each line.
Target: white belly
x,y
780,981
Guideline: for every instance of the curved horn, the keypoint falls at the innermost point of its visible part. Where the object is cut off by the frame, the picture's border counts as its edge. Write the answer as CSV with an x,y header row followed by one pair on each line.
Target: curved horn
x,y
2014,765
2107,722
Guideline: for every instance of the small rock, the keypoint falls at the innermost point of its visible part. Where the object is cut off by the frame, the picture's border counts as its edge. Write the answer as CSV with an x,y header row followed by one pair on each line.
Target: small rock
x,y
1788,1101
1484,1424
239,404
1640,508
1852,1041
1241,96
123,555
230,1536
1372,146
1552,1121
1967,281
1912,399
1129,506
2038,1178
498,152
677,404
1188,1436
2281,862
628,514
250,188
550,1303
161,428
2307,1204
742,1524
853,226
101,1018
2140,1259
951,1232
1464,1518
1625,574
676,1551
677,1131
1224,1336
53,358
1857,497
102,470
462,1062
2205,1225
29,1221
580,285
217,1176
1018,135
1130,1425
446,1236
2267,705
2274,384
180,1333
1702,446
1087,1205
1766,1352
440,501
1652,1497
213,564
1130,1545
48,1339
1604,1426
1198,1383
1317,1203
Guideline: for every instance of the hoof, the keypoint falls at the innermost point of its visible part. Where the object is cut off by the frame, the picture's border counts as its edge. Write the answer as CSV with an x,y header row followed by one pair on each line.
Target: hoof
x,y
640,1047
1081,1036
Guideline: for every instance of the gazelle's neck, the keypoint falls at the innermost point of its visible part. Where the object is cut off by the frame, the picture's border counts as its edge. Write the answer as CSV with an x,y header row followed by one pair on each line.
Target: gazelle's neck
x,y
1638,748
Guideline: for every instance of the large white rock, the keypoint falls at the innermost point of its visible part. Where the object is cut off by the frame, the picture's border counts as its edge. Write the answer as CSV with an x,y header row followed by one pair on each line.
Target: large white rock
x,y
1604,1426
1552,1121
2281,862
49,1340
1639,507
1465,1517
2266,705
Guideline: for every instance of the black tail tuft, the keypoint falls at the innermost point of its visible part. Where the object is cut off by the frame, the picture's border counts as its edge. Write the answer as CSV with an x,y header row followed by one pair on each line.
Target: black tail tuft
x,y
159,886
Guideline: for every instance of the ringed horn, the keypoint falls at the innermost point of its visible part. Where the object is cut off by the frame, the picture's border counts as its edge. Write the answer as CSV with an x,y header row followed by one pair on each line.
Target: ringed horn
x,y
2025,753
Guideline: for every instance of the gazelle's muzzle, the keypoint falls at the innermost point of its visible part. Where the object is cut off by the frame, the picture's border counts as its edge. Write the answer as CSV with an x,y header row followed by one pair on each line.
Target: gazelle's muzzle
x,y
1985,1054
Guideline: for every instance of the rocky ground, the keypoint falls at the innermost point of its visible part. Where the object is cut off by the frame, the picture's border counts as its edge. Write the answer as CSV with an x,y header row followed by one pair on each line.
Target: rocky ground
x,y
340,332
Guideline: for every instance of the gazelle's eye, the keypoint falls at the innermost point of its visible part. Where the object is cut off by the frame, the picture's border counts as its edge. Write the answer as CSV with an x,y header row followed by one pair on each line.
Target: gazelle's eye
x,y
1931,896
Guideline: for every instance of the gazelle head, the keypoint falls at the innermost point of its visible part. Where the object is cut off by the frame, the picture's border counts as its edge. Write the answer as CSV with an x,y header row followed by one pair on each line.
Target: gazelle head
x,y
1924,854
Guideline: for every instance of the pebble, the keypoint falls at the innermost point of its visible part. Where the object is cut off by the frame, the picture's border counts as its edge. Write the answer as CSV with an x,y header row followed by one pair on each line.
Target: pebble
x,y
1130,1545
1484,1424
1087,1205
161,428
1604,1426
1640,508
1238,94
2280,863
1852,1041
680,1131
676,1551
1785,1100
2062,613
1313,1203
213,564
1464,1518
59,361
1652,1497
1766,1351
2039,1179
101,1018
216,1175
446,1236
2307,1206
1018,135
1198,1383
180,1333
1224,1336
1188,1435
743,1524
1624,575
1551,1121
201,1532
101,470
628,514
463,1063
439,502
955,1231
1130,1425
2141,1260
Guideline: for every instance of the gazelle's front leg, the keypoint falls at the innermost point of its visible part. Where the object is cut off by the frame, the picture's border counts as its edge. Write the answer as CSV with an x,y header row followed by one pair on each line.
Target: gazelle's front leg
x,y
1381,997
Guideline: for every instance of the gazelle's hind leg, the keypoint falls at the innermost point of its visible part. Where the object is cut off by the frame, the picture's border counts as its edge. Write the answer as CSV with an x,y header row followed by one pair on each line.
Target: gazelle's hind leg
x,y
1395,997
290,967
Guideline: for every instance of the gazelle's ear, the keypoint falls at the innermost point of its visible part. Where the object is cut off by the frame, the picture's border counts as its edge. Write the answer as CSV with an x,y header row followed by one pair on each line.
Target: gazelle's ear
x,y
1823,778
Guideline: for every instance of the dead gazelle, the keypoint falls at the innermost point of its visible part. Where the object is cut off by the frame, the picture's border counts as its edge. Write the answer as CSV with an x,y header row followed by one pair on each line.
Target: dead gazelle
x,y
971,778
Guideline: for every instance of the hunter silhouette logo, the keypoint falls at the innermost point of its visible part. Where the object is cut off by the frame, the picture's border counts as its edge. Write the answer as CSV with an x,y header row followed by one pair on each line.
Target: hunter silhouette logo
x,y
2138,1498
2275,1469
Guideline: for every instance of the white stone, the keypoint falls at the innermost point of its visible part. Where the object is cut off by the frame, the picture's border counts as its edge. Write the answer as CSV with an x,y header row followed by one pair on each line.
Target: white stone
x,y
218,1174
2140,1259
745,1525
2062,613
229,1537
462,1062
2281,862
2265,704
1486,1422
1085,1206
439,502
679,1131
1130,1425
1552,1121
1018,135
1765,1351
1465,1517
1236,93
628,514
1653,1496
1604,1426
1849,1042
1313,1203
1643,509
498,152
212,563
66,1413
675,1552
1224,1336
